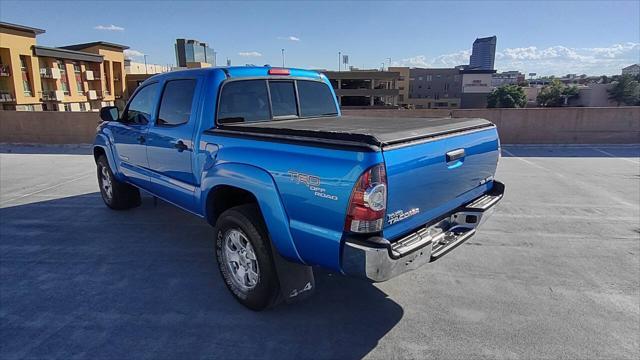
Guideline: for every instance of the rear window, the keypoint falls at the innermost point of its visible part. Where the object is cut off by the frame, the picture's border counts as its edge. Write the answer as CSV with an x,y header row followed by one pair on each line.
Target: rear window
x,y
283,98
315,99
244,101
248,100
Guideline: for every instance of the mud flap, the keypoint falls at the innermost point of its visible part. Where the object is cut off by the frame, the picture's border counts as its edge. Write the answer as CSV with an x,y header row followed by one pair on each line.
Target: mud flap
x,y
296,280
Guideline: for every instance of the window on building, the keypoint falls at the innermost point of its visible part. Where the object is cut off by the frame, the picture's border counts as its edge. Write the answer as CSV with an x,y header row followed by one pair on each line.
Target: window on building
x,y
26,79
283,98
429,77
446,86
67,107
420,78
64,80
140,107
177,99
315,99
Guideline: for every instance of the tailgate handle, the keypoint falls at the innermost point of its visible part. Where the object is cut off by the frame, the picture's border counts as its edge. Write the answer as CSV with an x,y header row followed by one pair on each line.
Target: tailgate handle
x,y
454,155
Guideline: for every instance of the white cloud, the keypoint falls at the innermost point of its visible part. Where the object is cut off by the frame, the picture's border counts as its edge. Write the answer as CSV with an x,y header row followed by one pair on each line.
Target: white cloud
x,y
109,27
249,53
129,53
553,60
290,38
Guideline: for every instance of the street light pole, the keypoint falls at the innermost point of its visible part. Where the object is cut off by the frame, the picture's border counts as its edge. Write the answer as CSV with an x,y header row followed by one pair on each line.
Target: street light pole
x,y
339,60
282,57
145,64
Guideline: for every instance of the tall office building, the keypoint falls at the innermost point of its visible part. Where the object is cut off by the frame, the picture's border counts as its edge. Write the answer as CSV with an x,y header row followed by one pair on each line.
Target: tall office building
x,y
483,54
193,51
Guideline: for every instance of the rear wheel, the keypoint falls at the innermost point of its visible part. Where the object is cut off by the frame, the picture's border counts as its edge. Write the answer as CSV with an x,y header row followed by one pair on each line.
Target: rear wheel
x,y
244,257
115,194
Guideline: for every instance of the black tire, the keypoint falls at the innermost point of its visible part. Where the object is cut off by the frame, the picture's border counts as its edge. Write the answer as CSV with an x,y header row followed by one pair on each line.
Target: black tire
x,y
247,220
122,195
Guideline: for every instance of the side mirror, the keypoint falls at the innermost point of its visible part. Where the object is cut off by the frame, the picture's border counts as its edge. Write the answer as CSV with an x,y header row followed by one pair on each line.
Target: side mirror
x,y
110,113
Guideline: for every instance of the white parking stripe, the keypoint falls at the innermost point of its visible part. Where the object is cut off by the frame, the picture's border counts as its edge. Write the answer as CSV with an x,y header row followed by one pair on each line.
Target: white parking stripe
x,y
614,156
47,188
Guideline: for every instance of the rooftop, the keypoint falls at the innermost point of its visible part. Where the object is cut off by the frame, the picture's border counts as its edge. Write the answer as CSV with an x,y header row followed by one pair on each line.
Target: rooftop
x,y
66,54
11,26
95,43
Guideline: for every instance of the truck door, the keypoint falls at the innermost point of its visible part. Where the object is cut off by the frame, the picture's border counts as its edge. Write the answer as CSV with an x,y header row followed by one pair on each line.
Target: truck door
x,y
170,148
130,135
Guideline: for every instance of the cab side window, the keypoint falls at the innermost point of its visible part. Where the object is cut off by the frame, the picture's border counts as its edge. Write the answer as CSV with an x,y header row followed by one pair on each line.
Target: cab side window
x,y
140,107
175,106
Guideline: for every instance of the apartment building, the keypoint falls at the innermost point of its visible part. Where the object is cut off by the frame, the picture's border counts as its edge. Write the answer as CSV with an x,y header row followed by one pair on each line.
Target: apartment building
x,y
429,88
82,77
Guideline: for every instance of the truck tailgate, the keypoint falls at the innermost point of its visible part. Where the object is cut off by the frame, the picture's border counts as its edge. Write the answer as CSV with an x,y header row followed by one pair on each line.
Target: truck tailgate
x,y
430,178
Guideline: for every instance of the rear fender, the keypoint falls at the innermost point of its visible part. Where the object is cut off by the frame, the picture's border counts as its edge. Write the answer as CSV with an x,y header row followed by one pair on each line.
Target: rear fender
x,y
259,183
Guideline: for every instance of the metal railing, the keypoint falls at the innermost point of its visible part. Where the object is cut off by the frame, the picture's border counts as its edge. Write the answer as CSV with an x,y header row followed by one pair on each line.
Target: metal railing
x,y
5,70
6,96
49,95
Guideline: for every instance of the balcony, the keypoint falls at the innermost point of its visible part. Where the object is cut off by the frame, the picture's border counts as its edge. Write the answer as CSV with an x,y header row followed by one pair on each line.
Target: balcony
x,y
92,95
6,96
52,95
50,73
4,70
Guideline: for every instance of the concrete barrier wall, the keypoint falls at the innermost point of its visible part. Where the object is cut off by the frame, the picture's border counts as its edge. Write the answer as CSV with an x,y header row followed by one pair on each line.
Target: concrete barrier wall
x,y
580,125
48,127
611,125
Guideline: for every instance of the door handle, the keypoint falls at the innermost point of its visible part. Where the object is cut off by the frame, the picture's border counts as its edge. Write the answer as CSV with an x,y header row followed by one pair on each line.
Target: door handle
x,y
181,146
141,139
454,155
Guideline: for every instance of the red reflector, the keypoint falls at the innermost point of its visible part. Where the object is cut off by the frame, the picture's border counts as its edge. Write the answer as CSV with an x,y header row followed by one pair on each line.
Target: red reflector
x,y
278,71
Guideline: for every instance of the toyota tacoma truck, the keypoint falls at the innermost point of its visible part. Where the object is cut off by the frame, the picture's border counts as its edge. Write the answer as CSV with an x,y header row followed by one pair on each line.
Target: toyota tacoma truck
x,y
264,155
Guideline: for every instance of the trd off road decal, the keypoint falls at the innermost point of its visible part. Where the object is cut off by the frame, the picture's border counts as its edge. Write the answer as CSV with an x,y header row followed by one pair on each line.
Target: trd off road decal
x,y
313,183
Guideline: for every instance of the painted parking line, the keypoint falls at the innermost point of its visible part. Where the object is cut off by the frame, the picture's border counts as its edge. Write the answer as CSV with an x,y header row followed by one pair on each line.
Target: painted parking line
x,y
77,178
615,156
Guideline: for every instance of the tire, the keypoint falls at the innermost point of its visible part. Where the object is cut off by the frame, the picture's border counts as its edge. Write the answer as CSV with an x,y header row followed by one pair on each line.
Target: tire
x,y
116,194
248,270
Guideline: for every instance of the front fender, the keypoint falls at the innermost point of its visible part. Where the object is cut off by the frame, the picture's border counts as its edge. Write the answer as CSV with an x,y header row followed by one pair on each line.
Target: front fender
x,y
259,183
102,141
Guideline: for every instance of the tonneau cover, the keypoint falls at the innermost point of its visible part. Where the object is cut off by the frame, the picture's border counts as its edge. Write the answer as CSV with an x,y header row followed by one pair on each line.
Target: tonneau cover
x,y
376,131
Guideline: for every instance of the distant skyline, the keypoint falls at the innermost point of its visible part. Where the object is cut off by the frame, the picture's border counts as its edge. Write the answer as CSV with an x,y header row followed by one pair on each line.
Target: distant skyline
x,y
547,38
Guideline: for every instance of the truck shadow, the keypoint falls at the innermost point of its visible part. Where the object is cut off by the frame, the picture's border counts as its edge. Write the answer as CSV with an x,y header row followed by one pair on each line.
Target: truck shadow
x,y
80,280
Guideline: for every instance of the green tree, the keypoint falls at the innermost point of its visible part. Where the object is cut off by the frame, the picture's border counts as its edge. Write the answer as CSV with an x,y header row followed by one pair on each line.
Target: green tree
x,y
507,96
556,94
625,91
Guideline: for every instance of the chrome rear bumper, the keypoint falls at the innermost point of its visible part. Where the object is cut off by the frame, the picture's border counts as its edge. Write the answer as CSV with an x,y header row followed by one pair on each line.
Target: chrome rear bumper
x,y
377,259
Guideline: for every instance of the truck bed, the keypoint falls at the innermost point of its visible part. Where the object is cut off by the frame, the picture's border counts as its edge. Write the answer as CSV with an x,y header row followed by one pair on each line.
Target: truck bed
x,y
370,132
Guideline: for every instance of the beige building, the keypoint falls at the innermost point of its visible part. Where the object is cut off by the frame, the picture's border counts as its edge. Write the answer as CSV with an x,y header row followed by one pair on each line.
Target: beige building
x,y
80,77
137,68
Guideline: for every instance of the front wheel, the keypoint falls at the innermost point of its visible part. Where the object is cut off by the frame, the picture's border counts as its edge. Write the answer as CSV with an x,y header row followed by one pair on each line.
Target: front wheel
x,y
244,257
115,194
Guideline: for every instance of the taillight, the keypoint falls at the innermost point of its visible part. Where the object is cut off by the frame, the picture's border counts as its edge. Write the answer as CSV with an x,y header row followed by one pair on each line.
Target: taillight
x,y
368,202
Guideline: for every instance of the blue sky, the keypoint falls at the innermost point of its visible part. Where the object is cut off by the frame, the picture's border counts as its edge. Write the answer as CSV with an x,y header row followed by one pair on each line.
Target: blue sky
x,y
595,37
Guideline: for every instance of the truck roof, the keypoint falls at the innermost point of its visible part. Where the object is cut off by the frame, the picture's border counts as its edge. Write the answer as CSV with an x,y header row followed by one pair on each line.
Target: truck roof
x,y
243,71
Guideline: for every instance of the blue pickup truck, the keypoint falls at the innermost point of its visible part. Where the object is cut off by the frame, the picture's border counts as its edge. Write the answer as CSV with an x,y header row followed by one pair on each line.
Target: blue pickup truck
x,y
264,155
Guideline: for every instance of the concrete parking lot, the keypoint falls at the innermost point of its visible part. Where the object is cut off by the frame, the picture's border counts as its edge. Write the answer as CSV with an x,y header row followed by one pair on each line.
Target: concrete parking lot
x,y
555,273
